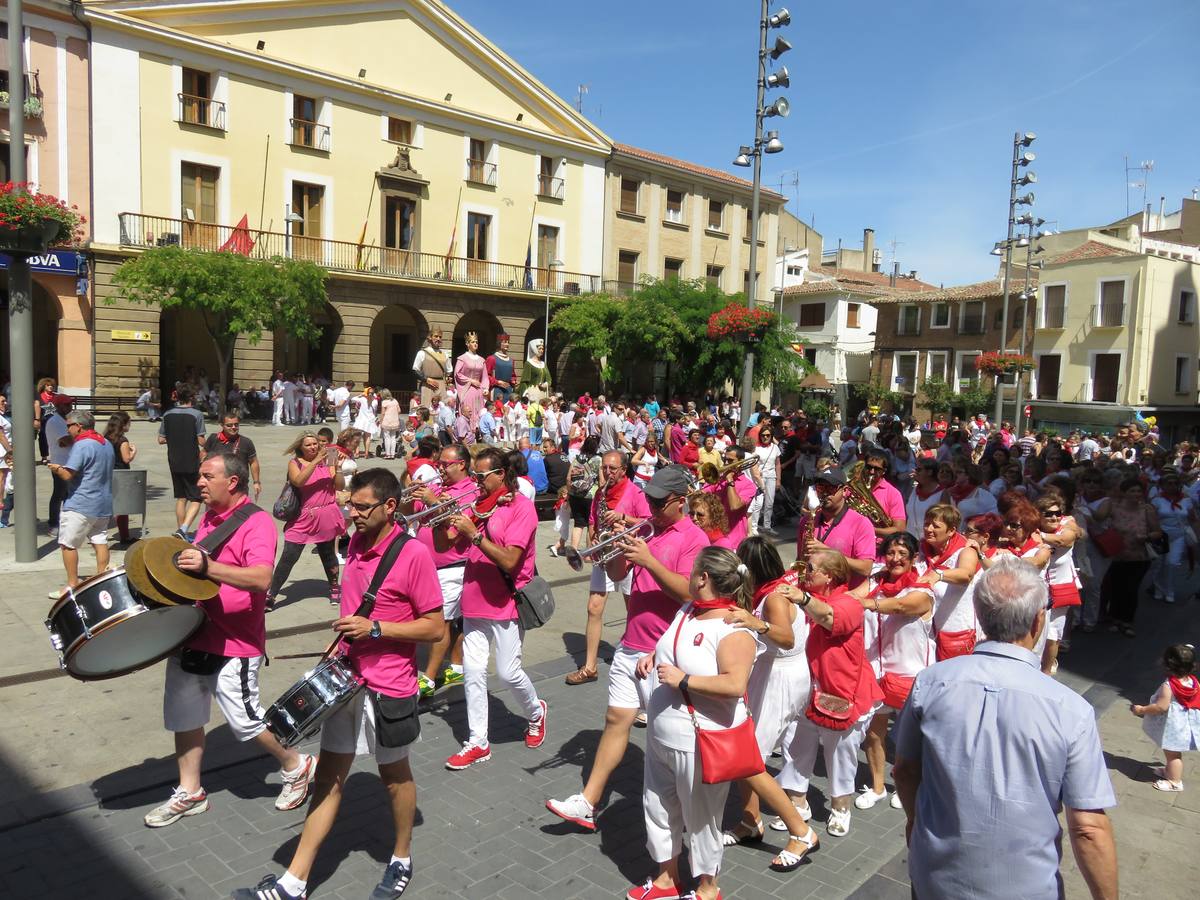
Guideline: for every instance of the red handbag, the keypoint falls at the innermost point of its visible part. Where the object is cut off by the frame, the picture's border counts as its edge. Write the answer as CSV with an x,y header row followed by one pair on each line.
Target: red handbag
x,y
896,688
1109,542
726,754
955,643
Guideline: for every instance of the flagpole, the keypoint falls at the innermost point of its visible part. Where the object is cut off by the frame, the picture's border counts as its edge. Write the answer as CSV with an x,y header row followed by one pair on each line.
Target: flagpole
x,y
453,232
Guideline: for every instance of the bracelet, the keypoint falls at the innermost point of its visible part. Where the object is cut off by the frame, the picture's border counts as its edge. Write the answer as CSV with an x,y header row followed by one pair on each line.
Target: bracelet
x,y
807,600
765,629
683,683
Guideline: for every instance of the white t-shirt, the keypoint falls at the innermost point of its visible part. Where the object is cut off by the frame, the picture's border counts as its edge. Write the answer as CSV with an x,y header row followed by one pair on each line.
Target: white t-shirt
x,y
767,457
340,397
55,428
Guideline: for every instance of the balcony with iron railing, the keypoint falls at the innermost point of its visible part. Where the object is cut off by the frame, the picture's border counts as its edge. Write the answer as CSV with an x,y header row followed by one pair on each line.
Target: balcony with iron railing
x,y
145,231
309,135
480,171
550,187
203,111
1109,315
1054,316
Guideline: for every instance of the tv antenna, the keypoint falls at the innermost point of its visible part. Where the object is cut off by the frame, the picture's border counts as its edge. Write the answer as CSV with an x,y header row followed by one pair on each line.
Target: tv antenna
x,y
580,93
1146,166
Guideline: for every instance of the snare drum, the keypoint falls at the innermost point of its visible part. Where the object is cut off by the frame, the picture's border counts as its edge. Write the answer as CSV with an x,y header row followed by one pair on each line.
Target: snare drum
x,y
105,628
305,706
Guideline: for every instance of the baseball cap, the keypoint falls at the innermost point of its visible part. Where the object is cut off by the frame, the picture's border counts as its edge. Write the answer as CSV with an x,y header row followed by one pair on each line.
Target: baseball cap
x,y
833,476
667,481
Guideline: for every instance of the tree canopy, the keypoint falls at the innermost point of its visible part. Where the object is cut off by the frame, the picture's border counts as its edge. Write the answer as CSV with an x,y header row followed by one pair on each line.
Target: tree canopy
x,y
235,295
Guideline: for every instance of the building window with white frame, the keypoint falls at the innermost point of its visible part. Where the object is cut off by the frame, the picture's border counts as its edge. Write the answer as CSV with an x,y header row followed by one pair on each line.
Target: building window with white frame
x,y
1106,377
1054,306
972,317
674,212
853,315
909,320
1110,310
712,275
936,362
966,373
939,315
904,372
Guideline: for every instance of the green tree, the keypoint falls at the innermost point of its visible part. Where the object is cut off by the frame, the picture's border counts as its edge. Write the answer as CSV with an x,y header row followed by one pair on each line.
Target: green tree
x,y
875,394
234,294
977,399
586,326
936,395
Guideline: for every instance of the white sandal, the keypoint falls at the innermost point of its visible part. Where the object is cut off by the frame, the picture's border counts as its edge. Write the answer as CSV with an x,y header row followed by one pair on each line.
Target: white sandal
x,y
731,838
1170,787
805,815
787,861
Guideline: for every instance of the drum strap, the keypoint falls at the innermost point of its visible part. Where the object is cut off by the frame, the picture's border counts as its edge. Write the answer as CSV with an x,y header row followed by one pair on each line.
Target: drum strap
x,y
390,555
216,539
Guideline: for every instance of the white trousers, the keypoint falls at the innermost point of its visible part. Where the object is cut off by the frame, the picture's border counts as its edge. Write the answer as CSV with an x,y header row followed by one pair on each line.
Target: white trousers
x,y
277,411
390,438
306,410
675,800
778,691
840,749
478,637
562,523
766,511
343,418
1091,586
1164,568
756,506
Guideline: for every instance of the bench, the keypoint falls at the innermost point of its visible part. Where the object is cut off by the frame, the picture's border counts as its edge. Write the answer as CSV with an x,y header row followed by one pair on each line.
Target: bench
x,y
106,403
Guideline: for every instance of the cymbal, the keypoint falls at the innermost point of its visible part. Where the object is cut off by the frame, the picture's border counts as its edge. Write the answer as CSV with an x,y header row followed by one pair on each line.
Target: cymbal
x,y
135,571
159,558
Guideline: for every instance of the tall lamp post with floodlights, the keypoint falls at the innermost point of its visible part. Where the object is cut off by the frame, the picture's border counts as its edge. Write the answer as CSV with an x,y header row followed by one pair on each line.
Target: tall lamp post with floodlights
x,y
1021,159
1032,236
763,143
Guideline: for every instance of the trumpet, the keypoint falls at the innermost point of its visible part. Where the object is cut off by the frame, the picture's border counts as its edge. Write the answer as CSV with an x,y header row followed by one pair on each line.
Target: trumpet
x,y
609,546
433,516
409,493
710,474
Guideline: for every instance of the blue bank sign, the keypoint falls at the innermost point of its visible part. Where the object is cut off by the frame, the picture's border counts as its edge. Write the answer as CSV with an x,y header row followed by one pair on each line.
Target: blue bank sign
x,y
55,262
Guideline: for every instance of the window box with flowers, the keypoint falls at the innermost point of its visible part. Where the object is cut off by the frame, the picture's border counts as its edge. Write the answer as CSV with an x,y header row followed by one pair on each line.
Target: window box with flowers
x,y
741,324
1002,363
30,222
33,105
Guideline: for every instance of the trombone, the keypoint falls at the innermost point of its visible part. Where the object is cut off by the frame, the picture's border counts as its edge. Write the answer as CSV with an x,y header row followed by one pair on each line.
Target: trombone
x,y
609,548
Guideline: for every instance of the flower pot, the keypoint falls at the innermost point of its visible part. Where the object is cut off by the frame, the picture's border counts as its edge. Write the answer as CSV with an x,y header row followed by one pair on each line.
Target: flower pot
x,y
32,239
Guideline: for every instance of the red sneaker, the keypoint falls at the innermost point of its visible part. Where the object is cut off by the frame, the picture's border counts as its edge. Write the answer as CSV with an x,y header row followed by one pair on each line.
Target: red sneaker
x,y
535,733
649,891
468,756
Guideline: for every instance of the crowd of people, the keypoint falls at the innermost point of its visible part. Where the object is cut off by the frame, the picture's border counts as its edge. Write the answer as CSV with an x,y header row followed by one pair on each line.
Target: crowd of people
x,y
928,560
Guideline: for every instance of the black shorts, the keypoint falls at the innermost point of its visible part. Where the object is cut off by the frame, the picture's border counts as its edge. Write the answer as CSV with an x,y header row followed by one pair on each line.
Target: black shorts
x,y
185,486
581,510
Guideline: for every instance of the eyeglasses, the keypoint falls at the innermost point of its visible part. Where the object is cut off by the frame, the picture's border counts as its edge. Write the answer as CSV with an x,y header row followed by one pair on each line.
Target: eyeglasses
x,y
445,464
1012,524
875,468
480,476
616,468
366,509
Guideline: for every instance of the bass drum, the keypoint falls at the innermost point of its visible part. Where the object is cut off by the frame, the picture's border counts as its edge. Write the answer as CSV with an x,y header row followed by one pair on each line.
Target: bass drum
x,y
305,706
105,628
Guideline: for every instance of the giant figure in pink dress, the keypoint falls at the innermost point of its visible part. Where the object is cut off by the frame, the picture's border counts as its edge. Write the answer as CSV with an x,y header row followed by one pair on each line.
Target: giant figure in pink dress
x,y
471,381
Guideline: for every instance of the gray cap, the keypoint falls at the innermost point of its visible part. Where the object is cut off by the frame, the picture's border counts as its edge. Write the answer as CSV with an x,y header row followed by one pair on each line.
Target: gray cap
x,y
669,480
833,476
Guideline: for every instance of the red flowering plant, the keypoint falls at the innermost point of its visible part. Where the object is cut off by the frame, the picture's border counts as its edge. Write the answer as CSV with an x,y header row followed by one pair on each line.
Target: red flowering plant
x,y
740,323
34,221
995,363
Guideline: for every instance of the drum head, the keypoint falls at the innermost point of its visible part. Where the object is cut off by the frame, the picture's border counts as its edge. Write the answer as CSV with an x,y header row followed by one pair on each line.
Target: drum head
x,y
135,643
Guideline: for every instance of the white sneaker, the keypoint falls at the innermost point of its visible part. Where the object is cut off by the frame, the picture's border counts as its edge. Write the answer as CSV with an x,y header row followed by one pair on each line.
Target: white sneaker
x,y
805,814
839,822
296,784
868,798
574,809
181,804
895,802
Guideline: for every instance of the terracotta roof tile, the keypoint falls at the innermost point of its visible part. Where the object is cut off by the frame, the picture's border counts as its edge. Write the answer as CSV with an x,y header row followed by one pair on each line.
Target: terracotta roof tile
x,y
1090,250
872,284
980,290
684,165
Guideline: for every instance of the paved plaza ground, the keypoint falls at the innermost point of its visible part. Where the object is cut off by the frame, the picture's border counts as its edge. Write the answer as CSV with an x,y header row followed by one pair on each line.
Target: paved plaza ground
x,y
80,764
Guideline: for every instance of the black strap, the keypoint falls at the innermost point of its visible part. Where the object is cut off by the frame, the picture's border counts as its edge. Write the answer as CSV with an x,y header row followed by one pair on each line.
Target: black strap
x,y
390,555
219,536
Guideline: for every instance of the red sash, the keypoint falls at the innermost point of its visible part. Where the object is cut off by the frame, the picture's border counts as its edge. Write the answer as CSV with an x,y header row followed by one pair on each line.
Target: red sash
x,y
1187,697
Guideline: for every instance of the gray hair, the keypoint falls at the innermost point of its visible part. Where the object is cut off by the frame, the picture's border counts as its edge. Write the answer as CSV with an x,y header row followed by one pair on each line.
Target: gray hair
x,y
1008,597
235,467
82,418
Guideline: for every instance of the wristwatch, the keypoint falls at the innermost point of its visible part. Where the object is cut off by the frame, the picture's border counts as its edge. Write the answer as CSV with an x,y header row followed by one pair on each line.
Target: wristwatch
x,y
376,629
766,627
478,539
807,600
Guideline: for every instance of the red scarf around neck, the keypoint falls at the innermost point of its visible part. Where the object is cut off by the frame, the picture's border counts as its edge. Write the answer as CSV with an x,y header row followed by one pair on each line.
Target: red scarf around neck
x,y
788,578
702,606
90,435
1187,697
486,504
892,588
961,492
1024,548
714,534
226,439
614,492
937,558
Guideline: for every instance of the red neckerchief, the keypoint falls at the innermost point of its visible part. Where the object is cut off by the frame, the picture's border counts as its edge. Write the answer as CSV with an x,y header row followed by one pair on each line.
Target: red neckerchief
x,y
937,558
614,492
892,588
1175,503
701,606
714,534
788,577
1024,548
90,435
961,492
413,464
922,496
488,503
1188,698
990,550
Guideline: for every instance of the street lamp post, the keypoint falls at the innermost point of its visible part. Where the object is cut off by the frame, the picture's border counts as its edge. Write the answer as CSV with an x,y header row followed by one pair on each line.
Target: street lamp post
x,y
1016,180
1030,251
768,143
290,220
549,282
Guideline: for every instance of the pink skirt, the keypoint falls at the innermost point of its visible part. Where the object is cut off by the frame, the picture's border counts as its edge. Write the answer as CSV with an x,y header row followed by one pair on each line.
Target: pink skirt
x,y
316,524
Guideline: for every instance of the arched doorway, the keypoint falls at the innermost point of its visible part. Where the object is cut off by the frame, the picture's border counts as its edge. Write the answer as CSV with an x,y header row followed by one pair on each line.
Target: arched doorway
x,y
315,359
46,315
396,335
483,324
185,349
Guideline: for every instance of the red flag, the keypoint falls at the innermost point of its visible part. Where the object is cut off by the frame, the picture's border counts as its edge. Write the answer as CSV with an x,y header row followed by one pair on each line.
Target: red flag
x,y
240,240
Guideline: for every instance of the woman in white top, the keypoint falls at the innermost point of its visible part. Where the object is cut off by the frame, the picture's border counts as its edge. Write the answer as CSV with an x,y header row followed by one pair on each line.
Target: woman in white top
x,y
364,419
709,659
948,562
645,461
903,645
967,492
767,452
779,689
1058,532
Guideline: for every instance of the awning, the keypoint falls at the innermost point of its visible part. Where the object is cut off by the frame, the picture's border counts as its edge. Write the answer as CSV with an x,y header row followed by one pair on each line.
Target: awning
x,y
1095,415
815,381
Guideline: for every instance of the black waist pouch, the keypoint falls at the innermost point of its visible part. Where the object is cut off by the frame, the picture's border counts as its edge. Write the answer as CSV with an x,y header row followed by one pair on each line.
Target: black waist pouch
x,y
396,721
201,662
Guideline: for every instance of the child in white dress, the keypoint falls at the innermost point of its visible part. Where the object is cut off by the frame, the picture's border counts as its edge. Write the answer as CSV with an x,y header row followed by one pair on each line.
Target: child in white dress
x,y
1172,718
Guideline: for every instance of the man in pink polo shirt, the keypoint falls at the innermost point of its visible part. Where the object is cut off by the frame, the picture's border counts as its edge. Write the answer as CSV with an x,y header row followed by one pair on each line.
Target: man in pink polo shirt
x,y
456,484
735,492
381,646
837,527
661,568
875,469
618,503
502,533
221,662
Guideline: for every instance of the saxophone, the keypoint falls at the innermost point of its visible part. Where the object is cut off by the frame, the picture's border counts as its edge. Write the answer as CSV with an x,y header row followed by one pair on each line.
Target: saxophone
x,y
861,500
799,570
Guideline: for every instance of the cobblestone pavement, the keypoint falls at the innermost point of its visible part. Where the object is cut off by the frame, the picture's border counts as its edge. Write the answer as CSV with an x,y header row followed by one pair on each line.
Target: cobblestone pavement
x,y
81,763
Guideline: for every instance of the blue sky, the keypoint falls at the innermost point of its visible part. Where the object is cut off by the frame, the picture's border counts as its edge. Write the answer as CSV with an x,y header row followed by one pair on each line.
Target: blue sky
x,y
902,112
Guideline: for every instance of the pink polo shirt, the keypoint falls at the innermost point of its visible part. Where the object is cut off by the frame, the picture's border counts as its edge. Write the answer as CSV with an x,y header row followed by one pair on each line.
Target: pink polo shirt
x,y
237,621
632,503
485,593
457,552
651,609
739,520
853,537
892,501
409,591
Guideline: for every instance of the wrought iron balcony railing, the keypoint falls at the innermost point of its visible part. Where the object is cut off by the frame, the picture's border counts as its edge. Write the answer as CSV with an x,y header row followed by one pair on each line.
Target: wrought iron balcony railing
x,y
194,110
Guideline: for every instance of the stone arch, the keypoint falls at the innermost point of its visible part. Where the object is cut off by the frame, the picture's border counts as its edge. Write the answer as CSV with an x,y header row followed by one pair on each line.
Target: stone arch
x,y
47,316
184,341
484,324
316,358
397,333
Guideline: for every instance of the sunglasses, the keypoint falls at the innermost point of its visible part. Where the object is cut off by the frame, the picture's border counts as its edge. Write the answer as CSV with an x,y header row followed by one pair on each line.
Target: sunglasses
x,y
1052,513
660,502
874,468
480,476
1012,524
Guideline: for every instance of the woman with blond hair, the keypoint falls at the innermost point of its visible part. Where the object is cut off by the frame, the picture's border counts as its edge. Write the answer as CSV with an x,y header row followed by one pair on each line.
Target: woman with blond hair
x,y
316,479
389,422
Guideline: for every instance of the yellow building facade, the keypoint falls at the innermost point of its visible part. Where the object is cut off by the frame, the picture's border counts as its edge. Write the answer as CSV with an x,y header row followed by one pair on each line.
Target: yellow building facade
x,y
389,142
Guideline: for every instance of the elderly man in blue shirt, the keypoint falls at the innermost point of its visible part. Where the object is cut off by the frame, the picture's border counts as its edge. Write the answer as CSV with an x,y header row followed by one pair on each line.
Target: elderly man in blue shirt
x,y
989,751
89,504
